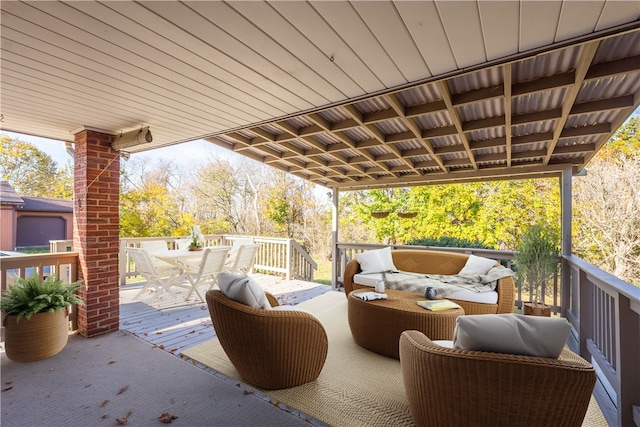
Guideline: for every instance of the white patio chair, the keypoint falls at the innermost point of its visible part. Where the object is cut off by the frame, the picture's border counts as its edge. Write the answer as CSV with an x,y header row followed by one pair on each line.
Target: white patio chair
x,y
207,271
183,244
161,275
154,246
242,263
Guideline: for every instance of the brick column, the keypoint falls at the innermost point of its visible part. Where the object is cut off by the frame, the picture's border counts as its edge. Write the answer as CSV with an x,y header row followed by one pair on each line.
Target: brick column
x,y
96,228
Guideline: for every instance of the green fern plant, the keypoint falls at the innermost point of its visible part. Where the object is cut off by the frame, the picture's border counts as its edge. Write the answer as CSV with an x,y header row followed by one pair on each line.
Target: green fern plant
x,y
31,296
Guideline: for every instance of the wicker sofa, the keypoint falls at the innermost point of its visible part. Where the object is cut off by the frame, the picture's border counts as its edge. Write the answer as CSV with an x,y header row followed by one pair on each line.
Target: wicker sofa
x,y
454,387
439,262
271,349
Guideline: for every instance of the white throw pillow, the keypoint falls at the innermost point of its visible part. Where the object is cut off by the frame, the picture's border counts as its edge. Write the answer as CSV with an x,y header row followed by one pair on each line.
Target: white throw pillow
x,y
376,261
477,265
512,334
244,290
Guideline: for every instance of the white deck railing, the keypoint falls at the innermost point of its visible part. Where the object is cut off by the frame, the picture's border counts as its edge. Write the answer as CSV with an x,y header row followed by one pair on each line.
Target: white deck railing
x,y
283,257
64,265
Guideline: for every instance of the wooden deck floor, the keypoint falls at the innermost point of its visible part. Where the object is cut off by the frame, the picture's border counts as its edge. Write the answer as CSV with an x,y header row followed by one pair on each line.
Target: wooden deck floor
x,y
175,324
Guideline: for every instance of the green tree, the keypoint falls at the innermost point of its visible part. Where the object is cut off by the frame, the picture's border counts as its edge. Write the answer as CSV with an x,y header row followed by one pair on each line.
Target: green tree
x,y
149,206
32,172
285,203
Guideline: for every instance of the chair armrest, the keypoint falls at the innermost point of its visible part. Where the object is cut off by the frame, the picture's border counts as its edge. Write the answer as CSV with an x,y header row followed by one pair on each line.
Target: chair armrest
x,y
506,295
351,269
273,301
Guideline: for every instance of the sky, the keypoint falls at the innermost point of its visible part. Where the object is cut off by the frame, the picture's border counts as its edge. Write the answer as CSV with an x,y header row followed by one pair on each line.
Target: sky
x,y
189,153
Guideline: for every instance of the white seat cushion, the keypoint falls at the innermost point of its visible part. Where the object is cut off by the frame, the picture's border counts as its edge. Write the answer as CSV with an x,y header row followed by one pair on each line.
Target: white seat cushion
x,y
461,295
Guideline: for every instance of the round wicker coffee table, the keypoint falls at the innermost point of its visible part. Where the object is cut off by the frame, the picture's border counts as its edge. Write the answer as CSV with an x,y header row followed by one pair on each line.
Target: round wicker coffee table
x,y
377,325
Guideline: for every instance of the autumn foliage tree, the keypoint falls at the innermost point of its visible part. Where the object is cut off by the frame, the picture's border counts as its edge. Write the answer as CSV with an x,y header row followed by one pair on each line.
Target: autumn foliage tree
x,y
33,173
607,206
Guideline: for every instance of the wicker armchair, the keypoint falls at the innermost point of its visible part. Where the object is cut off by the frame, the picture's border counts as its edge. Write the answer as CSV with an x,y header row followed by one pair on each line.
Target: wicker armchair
x,y
271,349
453,387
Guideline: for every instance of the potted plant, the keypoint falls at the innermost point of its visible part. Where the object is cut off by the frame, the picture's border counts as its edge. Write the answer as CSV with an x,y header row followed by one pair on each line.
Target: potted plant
x,y
196,239
36,317
195,244
537,261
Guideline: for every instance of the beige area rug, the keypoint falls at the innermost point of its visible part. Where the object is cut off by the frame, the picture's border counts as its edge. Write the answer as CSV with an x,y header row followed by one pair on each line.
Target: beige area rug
x,y
355,388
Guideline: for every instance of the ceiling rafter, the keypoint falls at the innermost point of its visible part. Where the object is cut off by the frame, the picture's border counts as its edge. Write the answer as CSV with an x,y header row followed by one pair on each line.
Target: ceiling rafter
x,y
588,53
457,122
411,135
319,120
506,73
397,106
358,117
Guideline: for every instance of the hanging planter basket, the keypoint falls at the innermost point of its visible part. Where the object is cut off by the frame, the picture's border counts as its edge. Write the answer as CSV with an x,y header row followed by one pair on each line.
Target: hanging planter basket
x,y
407,214
380,214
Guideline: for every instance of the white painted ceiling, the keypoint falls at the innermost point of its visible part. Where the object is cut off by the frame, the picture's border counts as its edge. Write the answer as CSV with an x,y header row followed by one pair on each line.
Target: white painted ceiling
x,y
346,94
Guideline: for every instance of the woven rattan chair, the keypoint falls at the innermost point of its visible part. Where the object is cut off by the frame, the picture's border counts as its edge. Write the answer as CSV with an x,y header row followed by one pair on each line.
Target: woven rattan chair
x,y
453,387
270,349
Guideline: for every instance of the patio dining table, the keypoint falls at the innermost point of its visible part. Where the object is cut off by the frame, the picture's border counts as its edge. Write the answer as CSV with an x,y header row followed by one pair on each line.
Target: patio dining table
x,y
185,260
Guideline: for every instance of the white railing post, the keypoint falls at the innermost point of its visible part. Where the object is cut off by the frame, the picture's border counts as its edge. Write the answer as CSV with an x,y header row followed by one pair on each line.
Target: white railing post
x,y
288,262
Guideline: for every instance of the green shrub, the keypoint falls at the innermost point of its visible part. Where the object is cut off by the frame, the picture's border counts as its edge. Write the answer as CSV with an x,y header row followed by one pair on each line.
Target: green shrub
x,y
448,242
30,296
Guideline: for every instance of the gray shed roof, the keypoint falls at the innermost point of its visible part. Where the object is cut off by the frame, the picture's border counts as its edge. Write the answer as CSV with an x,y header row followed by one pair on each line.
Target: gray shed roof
x,y
8,195
44,204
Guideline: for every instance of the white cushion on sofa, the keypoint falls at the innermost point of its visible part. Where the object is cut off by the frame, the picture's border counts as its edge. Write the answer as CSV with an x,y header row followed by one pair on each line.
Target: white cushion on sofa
x,y
376,261
512,334
477,265
243,289
461,295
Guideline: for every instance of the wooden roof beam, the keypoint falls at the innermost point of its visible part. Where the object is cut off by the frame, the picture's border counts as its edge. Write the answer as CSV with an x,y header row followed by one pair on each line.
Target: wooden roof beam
x,y
455,118
399,108
584,62
507,77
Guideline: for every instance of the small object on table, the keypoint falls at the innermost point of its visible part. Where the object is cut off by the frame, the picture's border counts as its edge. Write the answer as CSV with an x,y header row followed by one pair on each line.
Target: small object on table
x,y
379,286
439,305
370,296
430,293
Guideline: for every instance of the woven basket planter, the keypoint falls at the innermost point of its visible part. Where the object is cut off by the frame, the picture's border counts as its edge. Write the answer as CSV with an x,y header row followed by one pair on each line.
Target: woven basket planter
x,y
380,214
536,309
43,335
407,214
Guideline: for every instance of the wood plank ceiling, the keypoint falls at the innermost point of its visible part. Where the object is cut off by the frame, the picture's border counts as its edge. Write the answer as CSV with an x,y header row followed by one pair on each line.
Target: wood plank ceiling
x,y
345,94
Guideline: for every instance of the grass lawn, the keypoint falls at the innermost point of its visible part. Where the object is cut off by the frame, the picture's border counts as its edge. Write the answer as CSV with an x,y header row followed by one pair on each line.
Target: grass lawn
x,y
323,273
